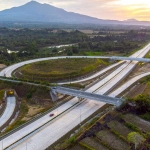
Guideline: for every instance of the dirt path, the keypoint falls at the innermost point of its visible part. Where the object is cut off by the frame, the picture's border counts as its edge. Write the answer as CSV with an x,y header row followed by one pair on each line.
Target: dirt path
x,y
2,66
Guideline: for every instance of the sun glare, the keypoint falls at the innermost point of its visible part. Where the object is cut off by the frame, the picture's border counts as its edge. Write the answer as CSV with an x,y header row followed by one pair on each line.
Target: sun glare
x,y
135,2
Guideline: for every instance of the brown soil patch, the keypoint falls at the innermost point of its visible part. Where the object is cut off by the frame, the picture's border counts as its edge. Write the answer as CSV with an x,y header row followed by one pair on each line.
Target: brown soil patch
x,y
2,66
33,110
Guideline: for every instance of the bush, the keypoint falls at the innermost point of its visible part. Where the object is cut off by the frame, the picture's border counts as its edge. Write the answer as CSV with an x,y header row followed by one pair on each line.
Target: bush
x,y
146,116
135,138
72,140
29,95
132,127
142,104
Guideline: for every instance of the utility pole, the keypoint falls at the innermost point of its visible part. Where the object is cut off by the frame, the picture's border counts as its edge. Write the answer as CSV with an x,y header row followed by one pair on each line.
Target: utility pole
x,y
2,144
80,110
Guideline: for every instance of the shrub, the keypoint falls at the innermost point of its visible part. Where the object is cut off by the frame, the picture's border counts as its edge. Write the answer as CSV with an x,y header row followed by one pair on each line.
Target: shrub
x,y
29,95
132,127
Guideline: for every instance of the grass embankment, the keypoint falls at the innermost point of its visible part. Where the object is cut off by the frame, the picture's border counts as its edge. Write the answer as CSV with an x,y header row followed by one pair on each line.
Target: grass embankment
x,y
94,53
1,95
61,69
147,55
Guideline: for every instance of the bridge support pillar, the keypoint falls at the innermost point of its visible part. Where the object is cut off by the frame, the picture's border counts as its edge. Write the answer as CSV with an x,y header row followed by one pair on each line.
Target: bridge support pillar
x,y
53,95
79,99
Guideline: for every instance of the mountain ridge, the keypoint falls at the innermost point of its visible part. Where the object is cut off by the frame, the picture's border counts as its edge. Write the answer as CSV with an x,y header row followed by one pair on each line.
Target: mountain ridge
x,y
36,12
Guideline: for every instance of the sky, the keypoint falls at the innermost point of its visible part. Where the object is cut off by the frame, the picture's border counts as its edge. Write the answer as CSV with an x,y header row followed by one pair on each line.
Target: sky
x,y
102,9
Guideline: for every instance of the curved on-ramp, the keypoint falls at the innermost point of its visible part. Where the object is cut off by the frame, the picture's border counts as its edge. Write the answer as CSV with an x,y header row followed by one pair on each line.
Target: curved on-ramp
x,y
7,72
128,84
9,110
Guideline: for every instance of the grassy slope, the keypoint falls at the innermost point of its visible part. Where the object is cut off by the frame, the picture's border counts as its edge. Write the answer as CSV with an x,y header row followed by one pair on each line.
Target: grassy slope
x,y
1,94
62,68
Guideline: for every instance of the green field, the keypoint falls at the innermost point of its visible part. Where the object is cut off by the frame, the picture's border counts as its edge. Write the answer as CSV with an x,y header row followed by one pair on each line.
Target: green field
x,y
60,69
94,53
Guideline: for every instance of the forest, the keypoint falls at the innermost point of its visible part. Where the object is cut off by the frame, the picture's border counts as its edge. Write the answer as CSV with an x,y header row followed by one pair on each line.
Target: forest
x,y
34,43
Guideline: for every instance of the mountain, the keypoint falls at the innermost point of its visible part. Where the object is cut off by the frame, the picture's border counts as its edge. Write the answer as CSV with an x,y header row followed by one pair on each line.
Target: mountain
x,y
131,20
37,12
136,22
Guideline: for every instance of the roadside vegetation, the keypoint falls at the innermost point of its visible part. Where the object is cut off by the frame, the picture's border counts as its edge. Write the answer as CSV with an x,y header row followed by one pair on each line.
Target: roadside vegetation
x,y
34,100
55,70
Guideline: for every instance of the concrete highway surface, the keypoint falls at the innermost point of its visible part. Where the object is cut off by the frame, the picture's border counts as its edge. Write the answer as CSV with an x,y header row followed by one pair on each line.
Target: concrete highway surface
x,y
62,125
9,110
128,84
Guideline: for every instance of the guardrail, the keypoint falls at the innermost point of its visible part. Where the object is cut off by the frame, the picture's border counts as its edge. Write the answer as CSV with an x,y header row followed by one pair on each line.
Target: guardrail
x,y
43,126
30,121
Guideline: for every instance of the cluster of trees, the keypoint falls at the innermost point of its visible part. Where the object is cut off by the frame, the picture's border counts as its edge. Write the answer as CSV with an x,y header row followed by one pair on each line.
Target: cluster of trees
x,y
28,42
20,38
139,105
123,43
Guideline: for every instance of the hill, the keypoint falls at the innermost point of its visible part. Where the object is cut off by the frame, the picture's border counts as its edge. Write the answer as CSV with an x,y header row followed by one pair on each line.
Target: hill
x,y
37,12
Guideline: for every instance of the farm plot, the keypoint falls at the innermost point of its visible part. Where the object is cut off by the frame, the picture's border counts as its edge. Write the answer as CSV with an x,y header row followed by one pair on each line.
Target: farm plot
x,y
112,140
77,147
140,123
92,143
119,128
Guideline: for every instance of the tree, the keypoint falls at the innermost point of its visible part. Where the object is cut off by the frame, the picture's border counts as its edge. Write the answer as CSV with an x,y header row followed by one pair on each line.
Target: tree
x,y
135,138
32,48
13,57
142,103
75,49
69,53
54,50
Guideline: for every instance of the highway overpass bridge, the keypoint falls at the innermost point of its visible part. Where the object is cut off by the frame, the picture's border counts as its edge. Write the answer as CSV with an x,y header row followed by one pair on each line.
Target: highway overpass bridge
x,y
83,94
114,58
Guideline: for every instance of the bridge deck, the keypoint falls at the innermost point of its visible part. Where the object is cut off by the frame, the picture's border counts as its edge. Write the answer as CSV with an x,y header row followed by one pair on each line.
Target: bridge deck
x,y
87,95
114,58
